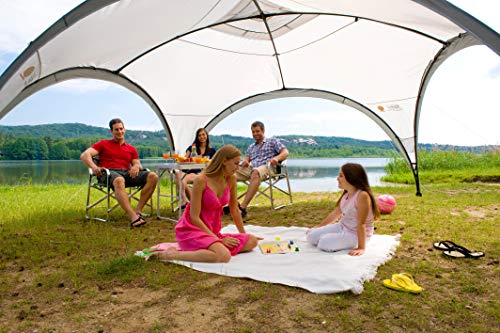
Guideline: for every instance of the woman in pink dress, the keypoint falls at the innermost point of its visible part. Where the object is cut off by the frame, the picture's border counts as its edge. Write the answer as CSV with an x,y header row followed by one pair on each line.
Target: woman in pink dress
x,y
198,230
350,225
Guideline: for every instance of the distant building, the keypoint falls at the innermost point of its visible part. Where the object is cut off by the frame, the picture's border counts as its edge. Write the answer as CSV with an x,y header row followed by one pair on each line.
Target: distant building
x,y
307,141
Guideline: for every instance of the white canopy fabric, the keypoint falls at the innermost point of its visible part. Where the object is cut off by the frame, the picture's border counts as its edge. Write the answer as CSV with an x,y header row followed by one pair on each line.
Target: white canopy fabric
x,y
197,61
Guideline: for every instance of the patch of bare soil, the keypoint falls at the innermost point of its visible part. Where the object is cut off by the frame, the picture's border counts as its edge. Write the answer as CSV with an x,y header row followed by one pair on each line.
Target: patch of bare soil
x,y
479,212
124,310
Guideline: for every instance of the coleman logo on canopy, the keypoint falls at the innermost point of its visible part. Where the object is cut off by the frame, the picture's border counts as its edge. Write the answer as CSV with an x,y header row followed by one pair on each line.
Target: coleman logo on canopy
x,y
28,75
390,107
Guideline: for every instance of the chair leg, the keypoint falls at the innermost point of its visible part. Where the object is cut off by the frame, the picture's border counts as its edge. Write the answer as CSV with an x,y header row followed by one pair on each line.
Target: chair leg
x,y
289,188
271,185
87,216
108,206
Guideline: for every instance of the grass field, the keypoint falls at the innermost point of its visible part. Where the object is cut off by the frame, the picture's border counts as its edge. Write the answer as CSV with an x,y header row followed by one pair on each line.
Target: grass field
x,y
60,273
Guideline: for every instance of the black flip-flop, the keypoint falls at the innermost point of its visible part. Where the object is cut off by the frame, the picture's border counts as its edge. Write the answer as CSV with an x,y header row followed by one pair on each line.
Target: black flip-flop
x,y
446,245
141,221
461,252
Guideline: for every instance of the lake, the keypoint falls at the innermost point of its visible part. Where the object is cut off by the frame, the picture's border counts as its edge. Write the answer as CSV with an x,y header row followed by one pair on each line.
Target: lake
x,y
306,175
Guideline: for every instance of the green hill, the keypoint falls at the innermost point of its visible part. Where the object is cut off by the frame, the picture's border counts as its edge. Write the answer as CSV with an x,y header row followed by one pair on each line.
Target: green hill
x,y
67,141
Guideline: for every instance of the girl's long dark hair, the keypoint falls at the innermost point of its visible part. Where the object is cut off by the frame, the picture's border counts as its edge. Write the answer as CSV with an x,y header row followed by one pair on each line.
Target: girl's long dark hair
x,y
197,141
356,175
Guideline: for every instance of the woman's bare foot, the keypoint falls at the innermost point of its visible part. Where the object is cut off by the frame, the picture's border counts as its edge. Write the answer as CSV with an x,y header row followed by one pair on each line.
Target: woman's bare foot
x,y
167,255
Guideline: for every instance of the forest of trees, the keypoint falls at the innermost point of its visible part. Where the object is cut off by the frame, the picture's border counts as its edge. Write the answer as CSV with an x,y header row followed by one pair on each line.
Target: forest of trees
x,y
67,141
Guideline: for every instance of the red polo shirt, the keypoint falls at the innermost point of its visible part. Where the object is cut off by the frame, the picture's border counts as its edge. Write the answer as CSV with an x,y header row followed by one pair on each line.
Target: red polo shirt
x,y
112,155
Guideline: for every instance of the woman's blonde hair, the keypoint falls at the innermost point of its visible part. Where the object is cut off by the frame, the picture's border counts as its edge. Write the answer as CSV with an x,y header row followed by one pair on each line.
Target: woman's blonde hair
x,y
223,154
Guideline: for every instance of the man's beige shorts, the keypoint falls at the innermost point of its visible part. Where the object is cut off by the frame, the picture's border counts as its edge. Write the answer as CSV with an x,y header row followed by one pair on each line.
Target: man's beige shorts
x,y
244,173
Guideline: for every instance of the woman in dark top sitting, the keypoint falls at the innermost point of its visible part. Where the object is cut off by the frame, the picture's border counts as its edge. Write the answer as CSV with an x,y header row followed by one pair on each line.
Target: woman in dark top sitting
x,y
203,149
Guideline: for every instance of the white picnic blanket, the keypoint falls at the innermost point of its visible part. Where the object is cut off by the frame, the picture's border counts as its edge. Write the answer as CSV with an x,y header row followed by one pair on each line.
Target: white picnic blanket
x,y
314,270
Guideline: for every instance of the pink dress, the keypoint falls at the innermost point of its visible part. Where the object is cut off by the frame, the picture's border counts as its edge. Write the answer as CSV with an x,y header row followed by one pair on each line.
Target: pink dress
x,y
192,238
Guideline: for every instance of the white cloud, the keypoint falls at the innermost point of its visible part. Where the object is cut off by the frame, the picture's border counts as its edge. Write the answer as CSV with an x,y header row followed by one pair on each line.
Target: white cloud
x,y
22,21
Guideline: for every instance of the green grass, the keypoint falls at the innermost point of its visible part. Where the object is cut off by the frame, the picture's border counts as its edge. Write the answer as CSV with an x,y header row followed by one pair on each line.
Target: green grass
x,y
60,272
447,167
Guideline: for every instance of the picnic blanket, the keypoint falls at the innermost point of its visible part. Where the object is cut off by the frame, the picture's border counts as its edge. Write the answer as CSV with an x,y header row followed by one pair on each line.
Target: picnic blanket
x,y
309,268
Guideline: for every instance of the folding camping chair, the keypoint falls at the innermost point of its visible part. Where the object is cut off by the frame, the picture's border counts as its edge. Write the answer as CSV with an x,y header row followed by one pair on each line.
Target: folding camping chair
x,y
106,193
269,188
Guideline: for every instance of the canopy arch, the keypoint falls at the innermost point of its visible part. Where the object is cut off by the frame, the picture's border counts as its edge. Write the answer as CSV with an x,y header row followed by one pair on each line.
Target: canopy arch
x,y
96,74
193,60
290,92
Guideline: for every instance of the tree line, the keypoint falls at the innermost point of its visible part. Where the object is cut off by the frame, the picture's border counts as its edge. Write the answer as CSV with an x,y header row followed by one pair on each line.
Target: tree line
x,y
68,141
48,148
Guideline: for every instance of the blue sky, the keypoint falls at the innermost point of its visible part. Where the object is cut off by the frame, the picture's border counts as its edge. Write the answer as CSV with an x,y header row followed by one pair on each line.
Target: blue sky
x,y
467,84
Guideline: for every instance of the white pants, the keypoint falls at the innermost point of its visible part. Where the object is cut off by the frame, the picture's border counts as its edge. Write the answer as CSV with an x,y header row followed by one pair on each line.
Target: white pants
x,y
332,237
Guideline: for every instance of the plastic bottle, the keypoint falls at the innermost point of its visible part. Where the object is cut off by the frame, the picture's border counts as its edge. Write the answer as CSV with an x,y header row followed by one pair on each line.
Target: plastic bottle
x,y
193,151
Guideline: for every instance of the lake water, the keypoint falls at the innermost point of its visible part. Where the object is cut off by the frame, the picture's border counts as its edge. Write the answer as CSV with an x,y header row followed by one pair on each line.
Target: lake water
x,y
306,175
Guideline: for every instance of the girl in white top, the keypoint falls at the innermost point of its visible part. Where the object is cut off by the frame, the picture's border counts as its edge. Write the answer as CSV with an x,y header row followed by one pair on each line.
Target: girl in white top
x,y
356,209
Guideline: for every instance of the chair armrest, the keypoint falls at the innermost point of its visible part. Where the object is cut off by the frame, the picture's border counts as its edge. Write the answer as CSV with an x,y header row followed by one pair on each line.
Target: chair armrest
x,y
277,168
104,169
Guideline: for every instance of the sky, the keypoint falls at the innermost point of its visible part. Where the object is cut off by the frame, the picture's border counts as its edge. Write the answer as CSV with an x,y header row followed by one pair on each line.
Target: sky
x,y
464,93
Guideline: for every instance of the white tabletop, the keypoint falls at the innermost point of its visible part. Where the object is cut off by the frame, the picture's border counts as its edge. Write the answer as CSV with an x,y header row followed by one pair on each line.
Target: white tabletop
x,y
181,166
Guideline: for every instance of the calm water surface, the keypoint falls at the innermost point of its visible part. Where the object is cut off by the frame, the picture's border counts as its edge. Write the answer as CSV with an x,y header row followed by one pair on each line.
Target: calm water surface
x,y
306,175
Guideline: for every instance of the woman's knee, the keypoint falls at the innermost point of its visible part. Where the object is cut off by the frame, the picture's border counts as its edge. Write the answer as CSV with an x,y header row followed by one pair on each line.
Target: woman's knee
x,y
188,179
252,242
223,256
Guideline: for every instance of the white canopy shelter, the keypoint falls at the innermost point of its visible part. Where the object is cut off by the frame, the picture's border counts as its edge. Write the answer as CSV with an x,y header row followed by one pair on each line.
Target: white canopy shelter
x,y
197,61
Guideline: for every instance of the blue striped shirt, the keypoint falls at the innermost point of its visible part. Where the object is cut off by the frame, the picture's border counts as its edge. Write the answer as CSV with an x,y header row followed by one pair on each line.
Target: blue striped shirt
x,y
259,155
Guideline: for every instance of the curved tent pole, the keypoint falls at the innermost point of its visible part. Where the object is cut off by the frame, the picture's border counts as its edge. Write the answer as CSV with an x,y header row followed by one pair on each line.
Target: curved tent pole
x,y
98,74
479,30
455,45
298,92
76,14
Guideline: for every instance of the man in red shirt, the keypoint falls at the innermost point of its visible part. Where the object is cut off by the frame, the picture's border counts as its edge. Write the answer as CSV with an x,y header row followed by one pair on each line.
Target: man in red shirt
x,y
122,160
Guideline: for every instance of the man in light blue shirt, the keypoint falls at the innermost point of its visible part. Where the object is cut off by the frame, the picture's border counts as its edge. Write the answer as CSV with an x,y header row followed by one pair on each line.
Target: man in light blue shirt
x,y
254,165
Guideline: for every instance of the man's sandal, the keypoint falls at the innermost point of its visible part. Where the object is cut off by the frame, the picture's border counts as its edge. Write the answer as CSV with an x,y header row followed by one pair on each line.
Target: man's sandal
x,y
139,222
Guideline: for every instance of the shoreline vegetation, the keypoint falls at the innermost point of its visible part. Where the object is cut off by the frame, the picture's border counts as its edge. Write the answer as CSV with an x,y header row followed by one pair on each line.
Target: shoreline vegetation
x,y
447,167
67,141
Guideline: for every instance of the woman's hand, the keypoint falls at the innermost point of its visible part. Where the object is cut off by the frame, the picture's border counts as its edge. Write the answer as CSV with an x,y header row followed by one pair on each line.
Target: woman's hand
x,y
356,252
230,242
